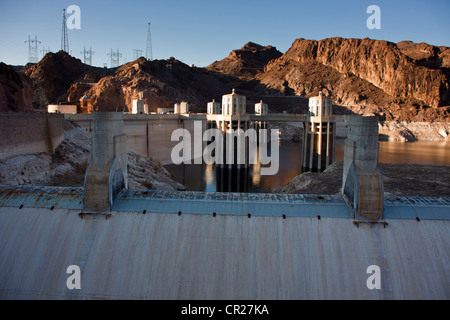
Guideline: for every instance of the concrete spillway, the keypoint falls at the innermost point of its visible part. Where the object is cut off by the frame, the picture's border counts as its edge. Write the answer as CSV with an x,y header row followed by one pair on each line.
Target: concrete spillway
x,y
170,245
224,203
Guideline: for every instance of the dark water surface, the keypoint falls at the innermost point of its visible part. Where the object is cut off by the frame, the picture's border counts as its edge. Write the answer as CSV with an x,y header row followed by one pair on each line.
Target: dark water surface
x,y
211,179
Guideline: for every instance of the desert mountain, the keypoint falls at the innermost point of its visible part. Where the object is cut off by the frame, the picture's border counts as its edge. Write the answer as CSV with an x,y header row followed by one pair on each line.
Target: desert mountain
x,y
404,81
427,55
61,78
246,62
53,76
162,82
366,76
16,93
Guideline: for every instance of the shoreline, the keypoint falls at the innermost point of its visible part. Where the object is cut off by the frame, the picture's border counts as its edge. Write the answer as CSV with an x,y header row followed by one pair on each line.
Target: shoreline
x,y
68,164
396,131
414,131
398,180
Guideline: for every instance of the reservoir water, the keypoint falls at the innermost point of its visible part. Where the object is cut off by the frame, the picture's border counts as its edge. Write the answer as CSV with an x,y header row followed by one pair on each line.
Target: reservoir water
x,y
211,179
153,139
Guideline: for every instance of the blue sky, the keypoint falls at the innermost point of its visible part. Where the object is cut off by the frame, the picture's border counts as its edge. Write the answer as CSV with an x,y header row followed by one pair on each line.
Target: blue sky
x,y
202,31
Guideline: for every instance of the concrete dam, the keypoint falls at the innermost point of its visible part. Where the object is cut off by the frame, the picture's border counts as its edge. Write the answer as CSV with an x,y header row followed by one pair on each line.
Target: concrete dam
x,y
144,244
136,244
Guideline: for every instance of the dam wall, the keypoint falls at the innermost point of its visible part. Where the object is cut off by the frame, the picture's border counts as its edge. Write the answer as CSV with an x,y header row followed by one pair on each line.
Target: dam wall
x,y
29,133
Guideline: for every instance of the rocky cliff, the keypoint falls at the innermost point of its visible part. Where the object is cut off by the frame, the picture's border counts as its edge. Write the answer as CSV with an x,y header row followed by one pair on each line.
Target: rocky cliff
x,y
162,83
368,76
427,55
61,78
56,73
16,93
397,82
381,63
246,62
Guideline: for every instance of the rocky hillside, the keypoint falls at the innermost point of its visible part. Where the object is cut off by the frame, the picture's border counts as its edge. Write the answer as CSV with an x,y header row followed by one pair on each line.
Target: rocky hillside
x,y
67,166
16,93
54,75
427,55
246,62
379,62
367,76
398,82
398,180
163,83
60,78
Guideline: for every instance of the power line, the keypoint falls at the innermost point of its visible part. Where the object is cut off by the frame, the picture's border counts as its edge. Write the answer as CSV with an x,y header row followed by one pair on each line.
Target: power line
x,y
137,53
45,51
148,52
32,49
115,58
87,54
64,36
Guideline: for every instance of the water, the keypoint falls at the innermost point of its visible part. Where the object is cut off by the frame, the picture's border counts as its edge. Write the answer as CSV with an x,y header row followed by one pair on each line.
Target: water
x,y
211,179
420,152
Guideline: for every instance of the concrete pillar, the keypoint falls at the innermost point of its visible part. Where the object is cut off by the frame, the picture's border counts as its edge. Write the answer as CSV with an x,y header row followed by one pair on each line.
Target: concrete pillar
x,y
331,147
362,182
320,149
106,175
311,149
328,158
147,138
319,139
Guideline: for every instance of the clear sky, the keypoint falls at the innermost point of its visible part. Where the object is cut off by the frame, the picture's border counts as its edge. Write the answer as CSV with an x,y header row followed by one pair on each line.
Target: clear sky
x,y
202,31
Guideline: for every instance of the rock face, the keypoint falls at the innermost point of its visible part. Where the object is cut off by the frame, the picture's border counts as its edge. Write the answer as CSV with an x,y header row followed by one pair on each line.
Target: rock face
x,y
398,180
162,83
67,166
381,63
16,93
367,76
55,74
326,182
397,82
414,131
427,55
246,62
147,173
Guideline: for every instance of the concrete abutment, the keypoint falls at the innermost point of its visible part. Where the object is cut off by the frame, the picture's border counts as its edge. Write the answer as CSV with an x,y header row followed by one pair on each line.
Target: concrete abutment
x,y
106,175
362,182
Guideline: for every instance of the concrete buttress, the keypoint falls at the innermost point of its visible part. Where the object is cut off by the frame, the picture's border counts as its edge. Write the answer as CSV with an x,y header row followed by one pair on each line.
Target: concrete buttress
x,y
106,175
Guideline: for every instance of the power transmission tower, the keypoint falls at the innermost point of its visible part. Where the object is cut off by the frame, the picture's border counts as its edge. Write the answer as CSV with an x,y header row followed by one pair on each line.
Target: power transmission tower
x,y
137,53
115,58
45,51
32,49
87,54
64,37
148,53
